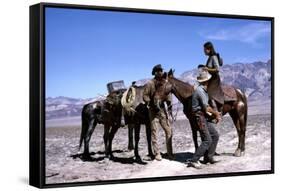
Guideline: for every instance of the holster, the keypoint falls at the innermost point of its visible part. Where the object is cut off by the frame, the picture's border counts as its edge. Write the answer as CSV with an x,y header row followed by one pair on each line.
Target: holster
x,y
200,119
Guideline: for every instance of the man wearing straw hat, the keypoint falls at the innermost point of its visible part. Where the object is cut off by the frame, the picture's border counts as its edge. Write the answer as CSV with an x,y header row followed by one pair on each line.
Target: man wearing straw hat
x,y
201,112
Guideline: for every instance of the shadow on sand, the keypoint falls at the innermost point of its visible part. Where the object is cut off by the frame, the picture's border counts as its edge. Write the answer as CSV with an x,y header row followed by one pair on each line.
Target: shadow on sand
x,y
123,160
180,157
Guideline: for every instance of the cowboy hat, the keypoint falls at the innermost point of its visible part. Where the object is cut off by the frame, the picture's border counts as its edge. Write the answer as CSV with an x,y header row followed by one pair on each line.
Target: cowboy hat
x,y
156,68
203,76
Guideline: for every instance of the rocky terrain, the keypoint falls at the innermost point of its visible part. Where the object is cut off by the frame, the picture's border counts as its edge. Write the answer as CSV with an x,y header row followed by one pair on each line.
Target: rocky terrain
x,y
63,162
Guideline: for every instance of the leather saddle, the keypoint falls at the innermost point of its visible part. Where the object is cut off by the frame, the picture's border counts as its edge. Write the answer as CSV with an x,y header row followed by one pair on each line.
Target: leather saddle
x,y
229,93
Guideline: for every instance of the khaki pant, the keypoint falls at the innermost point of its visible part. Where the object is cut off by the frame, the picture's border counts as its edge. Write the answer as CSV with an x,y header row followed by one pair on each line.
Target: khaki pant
x,y
164,122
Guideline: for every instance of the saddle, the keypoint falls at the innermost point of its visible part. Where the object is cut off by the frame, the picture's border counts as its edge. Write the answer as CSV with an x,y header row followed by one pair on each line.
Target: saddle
x,y
128,99
229,93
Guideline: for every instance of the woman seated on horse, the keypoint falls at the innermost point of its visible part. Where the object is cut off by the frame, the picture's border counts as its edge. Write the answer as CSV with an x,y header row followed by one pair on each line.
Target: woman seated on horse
x,y
212,66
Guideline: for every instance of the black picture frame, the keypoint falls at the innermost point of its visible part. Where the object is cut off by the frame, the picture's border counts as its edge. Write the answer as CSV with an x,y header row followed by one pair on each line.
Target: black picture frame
x,y
37,93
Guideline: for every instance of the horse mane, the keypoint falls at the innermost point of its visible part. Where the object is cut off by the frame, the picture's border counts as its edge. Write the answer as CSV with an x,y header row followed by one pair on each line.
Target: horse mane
x,y
182,83
182,90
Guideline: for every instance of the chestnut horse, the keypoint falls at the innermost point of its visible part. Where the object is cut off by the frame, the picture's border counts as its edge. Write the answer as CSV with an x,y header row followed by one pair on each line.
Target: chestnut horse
x,y
236,108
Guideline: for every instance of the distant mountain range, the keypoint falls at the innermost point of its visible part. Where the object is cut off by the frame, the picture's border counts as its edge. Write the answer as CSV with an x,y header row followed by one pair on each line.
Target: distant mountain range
x,y
252,78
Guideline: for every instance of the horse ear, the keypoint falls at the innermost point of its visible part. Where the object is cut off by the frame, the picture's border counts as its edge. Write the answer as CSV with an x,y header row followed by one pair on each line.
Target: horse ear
x,y
165,75
171,72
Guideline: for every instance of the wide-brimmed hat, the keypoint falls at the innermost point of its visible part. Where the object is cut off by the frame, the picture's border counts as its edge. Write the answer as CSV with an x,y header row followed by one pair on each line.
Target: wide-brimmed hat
x,y
156,68
203,76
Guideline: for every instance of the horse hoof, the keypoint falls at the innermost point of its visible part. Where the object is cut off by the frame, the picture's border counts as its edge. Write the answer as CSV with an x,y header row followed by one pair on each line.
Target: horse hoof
x,y
111,157
106,160
130,148
107,156
148,158
138,158
217,154
237,153
87,157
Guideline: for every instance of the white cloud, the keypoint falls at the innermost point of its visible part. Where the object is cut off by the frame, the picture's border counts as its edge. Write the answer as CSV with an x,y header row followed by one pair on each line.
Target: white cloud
x,y
250,33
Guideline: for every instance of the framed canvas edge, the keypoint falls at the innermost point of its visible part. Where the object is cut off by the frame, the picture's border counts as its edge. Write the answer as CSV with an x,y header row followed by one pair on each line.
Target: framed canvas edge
x,y
37,88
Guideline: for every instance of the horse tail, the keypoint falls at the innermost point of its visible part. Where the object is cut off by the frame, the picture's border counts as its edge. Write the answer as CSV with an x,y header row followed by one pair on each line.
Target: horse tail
x,y
84,126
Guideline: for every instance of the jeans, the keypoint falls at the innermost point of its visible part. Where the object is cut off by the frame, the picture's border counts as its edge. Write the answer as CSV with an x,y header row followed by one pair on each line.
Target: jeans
x,y
209,137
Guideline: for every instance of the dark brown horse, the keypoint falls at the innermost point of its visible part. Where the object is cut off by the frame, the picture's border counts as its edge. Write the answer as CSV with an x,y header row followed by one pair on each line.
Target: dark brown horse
x,y
139,116
110,114
99,112
237,108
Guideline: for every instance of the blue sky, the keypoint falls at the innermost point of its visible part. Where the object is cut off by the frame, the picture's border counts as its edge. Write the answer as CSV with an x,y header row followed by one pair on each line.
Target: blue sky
x,y
86,49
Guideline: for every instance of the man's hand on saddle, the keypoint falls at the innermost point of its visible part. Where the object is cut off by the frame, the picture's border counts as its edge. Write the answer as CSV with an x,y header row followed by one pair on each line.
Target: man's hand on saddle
x,y
218,117
210,111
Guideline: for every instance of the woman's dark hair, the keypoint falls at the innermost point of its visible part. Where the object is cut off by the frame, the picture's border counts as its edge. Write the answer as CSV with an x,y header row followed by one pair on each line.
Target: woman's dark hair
x,y
209,46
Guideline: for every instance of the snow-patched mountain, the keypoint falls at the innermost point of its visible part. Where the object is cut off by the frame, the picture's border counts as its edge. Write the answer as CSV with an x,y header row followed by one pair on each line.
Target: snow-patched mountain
x,y
61,106
252,78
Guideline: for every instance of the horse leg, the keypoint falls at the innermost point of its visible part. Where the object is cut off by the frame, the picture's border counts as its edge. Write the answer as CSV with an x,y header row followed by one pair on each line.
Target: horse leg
x,y
243,123
105,138
130,136
194,133
241,135
148,138
242,119
137,138
87,138
110,138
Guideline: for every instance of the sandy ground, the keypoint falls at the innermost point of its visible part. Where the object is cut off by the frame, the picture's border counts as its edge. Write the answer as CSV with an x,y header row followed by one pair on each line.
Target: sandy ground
x,y
64,165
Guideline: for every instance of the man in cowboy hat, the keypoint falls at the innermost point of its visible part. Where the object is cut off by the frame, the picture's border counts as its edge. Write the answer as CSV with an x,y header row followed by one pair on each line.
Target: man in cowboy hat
x,y
158,114
201,112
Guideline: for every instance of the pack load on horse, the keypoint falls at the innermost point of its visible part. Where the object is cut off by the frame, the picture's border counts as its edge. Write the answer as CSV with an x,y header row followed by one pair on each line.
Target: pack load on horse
x,y
109,113
104,112
116,86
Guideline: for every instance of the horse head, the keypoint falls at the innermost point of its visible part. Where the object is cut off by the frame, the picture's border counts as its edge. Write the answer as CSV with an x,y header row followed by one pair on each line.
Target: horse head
x,y
162,90
182,90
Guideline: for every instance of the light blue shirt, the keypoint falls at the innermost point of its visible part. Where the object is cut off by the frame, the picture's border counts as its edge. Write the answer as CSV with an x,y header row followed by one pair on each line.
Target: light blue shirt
x,y
200,99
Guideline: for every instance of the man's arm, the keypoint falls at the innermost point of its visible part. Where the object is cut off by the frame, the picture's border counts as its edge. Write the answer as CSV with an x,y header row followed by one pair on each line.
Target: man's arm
x,y
206,108
215,113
